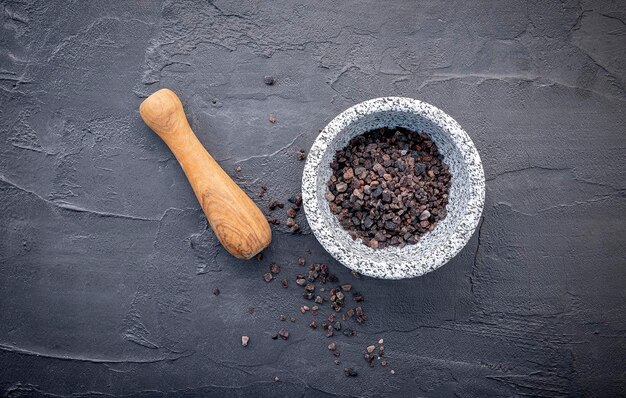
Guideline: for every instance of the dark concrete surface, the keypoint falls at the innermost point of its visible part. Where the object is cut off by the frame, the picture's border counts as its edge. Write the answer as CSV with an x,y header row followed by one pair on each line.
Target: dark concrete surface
x,y
106,263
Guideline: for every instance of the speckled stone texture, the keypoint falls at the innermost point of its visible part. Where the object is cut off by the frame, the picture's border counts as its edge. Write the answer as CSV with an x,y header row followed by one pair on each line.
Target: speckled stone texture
x,y
107,266
467,191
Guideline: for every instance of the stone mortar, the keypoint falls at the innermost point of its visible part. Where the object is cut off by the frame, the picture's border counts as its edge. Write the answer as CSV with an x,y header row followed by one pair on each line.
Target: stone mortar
x,y
466,197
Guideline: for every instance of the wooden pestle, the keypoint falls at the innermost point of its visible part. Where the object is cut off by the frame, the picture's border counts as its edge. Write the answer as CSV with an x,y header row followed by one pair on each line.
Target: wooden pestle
x,y
238,223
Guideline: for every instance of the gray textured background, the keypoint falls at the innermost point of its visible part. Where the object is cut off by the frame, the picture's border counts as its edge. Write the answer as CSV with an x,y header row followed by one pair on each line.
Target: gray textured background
x,y
106,263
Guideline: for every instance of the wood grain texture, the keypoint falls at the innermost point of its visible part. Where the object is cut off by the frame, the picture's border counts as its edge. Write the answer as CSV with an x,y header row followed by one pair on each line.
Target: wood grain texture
x,y
236,220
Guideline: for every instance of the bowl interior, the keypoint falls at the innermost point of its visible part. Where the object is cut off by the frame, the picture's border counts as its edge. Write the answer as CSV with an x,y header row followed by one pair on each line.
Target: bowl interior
x,y
435,247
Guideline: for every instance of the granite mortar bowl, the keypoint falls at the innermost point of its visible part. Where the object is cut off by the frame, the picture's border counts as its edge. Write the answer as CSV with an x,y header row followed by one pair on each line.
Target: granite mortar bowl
x,y
465,201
